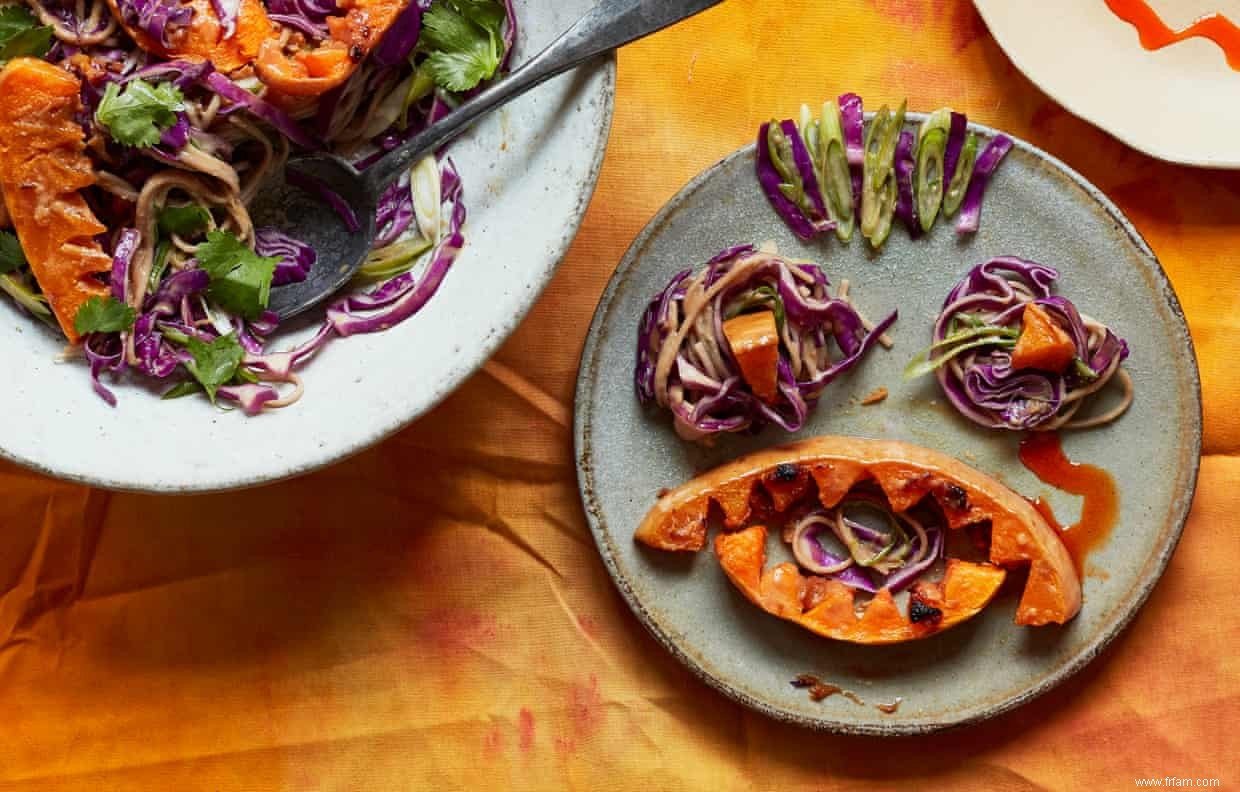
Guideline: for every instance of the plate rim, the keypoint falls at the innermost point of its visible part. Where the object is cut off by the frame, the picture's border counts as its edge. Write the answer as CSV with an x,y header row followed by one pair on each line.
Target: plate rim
x,y
606,66
1124,136
1146,581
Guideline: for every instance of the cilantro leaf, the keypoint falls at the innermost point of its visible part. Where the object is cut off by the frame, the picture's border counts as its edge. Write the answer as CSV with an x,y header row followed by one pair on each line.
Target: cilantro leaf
x,y
22,35
103,315
464,40
140,115
240,278
214,364
11,256
187,388
184,220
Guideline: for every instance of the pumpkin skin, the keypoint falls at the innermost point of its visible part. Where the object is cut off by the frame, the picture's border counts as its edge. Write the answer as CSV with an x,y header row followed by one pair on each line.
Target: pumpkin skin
x,y
43,169
827,607
906,474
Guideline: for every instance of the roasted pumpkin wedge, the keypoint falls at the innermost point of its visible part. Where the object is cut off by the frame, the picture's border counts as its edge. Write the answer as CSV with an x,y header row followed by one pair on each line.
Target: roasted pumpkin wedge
x,y
828,607
313,72
42,171
1042,344
204,39
906,474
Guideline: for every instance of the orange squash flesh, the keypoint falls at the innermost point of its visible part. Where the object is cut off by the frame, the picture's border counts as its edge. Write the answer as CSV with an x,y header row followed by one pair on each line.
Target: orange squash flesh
x,y
42,170
203,39
828,607
754,339
906,474
1042,344
316,71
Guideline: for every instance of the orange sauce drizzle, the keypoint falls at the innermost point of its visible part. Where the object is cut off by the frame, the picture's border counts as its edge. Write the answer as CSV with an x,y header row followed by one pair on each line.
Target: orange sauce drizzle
x,y
1042,453
1156,34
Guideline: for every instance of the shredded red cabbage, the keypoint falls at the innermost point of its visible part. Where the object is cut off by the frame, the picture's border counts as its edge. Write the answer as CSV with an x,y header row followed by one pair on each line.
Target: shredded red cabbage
x,y
906,206
685,364
235,94
296,258
987,162
979,327
159,19
331,197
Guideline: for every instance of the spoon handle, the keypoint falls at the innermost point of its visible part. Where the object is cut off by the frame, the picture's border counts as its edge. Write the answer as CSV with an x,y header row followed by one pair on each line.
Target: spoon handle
x,y
609,25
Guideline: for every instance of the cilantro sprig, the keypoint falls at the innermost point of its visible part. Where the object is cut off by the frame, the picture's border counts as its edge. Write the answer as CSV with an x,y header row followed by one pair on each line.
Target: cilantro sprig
x,y
11,256
240,278
465,42
21,35
141,113
184,221
103,315
212,364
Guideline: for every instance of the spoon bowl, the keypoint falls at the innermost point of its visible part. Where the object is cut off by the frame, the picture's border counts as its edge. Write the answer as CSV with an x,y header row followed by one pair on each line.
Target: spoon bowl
x,y
287,203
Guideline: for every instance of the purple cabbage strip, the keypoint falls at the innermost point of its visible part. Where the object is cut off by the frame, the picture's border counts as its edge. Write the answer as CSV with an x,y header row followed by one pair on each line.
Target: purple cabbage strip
x,y
176,137
906,206
852,120
250,397
852,576
231,92
122,256
770,180
296,257
987,162
903,577
172,291
402,36
805,167
956,135
227,11
180,73
511,31
156,18
110,358
312,185
395,213
402,297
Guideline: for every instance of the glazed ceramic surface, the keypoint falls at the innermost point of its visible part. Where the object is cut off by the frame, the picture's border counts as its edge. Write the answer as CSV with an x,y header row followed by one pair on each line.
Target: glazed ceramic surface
x,y
528,172
1035,208
1180,103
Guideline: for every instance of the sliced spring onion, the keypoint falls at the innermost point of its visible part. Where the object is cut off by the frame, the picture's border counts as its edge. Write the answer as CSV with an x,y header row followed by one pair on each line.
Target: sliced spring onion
x,y
931,149
879,191
160,266
837,178
924,363
793,186
393,260
764,297
14,286
959,185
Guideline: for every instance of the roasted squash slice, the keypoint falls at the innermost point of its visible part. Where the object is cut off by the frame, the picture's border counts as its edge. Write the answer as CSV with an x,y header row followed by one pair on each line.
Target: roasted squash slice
x,y
203,39
828,607
42,170
1042,344
313,72
906,474
754,341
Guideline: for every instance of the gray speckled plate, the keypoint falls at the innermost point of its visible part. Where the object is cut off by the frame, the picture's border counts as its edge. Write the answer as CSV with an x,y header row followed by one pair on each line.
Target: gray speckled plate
x,y
1037,208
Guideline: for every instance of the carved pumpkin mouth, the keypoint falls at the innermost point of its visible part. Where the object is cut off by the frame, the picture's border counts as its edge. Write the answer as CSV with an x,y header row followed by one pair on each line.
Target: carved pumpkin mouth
x,y
817,480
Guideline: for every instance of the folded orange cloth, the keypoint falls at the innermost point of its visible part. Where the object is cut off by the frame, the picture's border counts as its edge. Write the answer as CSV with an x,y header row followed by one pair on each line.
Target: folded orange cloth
x,y
433,615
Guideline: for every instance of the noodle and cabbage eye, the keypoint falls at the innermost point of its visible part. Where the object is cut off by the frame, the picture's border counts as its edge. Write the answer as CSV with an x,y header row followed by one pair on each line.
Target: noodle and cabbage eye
x,y
135,134
752,339
1010,354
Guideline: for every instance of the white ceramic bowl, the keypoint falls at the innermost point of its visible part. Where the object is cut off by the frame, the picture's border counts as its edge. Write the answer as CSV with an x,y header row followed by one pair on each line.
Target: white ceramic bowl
x,y
1180,103
529,173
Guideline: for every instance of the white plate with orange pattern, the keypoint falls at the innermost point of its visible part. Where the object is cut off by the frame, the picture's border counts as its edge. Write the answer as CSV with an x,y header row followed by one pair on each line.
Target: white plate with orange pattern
x,y
1161,75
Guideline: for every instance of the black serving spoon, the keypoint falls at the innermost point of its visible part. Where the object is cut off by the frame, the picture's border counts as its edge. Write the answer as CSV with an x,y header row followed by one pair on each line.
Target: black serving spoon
x,y
304,215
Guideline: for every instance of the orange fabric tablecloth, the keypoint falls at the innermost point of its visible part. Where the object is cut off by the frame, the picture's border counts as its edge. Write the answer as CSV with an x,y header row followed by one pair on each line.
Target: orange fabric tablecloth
x,y
432,614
